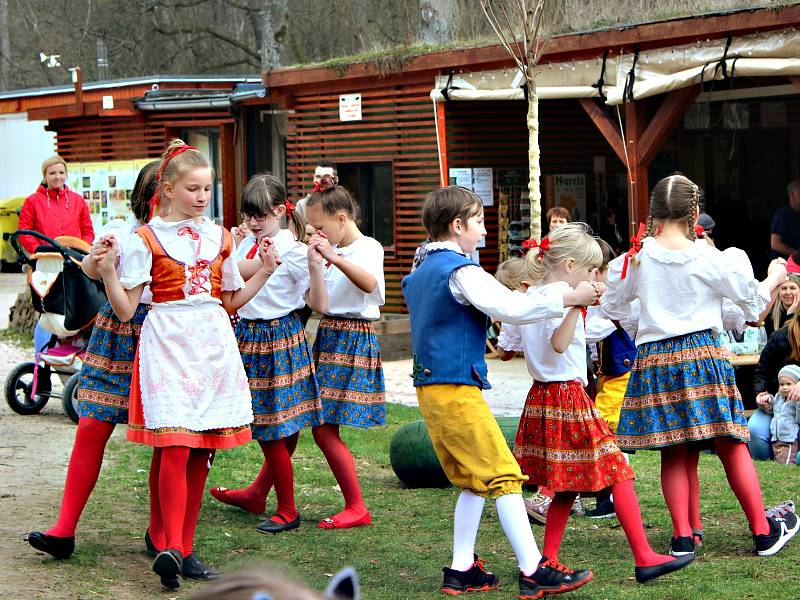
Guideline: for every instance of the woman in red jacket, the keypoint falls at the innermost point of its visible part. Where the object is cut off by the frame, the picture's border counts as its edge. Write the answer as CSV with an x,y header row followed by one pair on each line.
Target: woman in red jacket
x,y
53,209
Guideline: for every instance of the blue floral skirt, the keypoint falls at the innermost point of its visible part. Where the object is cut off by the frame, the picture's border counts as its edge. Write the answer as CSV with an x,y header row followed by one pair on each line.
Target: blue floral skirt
x,y
681,390
278,364
105,380
349,372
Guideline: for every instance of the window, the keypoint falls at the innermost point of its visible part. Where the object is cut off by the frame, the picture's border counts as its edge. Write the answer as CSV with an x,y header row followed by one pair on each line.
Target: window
x,y
371,186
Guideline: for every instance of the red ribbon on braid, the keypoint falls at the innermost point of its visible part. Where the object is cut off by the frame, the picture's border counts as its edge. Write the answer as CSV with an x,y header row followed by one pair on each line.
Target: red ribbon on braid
x,y
543,246
636,245
317,187
289,209
698,229
154,201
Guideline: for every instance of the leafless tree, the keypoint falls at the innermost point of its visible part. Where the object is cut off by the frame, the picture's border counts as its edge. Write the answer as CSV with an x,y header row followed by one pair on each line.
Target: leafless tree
x,y
520,27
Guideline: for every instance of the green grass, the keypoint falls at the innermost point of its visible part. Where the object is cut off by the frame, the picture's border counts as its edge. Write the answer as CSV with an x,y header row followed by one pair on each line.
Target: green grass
x,y
402,554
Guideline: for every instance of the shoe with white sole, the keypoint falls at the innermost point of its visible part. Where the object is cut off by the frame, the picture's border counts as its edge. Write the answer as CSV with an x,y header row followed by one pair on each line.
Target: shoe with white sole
x,y
782,529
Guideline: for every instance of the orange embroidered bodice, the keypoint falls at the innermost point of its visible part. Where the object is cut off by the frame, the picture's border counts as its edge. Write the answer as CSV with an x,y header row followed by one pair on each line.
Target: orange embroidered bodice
x,y
175,280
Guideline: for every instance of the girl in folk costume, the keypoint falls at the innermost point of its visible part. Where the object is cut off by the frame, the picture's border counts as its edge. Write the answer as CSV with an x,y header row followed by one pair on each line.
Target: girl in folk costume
x,y
346,353
104,380
562,442
682,392
189,394
274,350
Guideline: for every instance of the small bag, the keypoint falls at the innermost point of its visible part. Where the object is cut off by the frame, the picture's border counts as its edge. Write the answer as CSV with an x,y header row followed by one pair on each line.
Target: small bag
x,y
617,353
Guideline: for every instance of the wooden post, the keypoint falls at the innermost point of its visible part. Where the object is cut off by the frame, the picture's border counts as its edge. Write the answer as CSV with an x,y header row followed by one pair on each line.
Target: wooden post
x,y
77,79
441,141
228,175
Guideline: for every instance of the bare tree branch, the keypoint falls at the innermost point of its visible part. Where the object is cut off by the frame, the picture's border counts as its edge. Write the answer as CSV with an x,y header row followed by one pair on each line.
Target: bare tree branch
x,y
216,34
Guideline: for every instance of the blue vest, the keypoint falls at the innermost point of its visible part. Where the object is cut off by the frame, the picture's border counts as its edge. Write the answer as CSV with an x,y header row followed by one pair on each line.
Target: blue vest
x,y
448,338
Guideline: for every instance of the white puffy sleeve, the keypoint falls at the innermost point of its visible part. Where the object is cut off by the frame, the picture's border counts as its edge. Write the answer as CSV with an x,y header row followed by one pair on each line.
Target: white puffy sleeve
x,y
735,281
231,278
616,302
135,264
370,258
510,338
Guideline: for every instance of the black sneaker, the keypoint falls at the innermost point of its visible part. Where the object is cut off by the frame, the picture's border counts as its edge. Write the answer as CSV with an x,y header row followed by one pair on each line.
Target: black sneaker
x,y
474,579
551,578
781,530
681,546
603,510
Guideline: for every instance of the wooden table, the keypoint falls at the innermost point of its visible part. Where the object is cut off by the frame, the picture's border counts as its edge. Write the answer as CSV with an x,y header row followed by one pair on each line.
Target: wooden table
x,y
744,360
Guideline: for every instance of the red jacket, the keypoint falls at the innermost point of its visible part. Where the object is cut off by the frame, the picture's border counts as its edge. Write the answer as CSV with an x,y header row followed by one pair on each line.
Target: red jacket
x,y
55,213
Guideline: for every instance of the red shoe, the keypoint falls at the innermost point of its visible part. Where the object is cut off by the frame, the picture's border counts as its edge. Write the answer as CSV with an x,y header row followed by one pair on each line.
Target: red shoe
x,y
336,522
221,494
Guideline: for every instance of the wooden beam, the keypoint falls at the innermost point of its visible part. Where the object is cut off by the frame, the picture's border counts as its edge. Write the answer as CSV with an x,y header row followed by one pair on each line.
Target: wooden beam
x,y
606,126
441,139
669,113
228,175
638,202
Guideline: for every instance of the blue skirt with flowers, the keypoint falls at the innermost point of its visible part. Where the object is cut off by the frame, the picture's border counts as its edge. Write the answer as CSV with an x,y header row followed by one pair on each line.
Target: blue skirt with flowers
x,y
278,364
105,381
349,372
681,390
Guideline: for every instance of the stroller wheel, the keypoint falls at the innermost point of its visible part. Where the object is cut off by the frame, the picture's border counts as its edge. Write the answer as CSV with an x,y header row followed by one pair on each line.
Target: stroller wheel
x,y
19,388
69,398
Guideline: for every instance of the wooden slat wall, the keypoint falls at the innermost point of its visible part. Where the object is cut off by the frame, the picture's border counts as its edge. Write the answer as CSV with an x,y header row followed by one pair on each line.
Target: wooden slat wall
x,y
398,126
112,138
494,134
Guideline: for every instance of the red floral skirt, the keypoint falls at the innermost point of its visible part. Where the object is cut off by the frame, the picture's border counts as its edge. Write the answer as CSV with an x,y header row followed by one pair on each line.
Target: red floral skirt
x,y
564,444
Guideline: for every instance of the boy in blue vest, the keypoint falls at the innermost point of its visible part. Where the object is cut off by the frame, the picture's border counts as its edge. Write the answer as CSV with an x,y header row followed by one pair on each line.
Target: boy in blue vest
x,y
449,298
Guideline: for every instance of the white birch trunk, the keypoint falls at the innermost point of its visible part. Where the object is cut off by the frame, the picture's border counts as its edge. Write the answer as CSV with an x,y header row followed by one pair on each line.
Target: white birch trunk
x,y
534,168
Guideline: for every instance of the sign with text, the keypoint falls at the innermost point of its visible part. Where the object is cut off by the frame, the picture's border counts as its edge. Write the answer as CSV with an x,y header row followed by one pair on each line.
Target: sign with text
x,y
570,192
350,107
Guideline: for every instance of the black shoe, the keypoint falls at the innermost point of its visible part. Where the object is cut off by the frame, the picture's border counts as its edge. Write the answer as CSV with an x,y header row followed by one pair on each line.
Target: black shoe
x,y
270,526
151,547
168,565
194,568
644,574
474,579
57,547
682,546
603,510
781,530
551,578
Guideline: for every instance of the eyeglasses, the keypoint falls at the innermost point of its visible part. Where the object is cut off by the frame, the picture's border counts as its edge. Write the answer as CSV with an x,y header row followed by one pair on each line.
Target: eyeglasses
x,y
256,218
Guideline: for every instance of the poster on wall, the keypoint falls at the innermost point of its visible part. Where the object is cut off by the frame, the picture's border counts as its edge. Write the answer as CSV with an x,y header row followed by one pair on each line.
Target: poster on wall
x,y
569,191
106,187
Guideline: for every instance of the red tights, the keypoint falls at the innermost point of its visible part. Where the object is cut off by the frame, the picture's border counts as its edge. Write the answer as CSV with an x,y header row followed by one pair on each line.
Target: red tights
x,y
253,498
175,501
278,456
681,490
343,467
626,506
84,468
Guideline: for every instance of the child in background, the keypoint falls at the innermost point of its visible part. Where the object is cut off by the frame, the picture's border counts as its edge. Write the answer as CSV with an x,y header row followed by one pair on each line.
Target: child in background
x,y
682,390
562,442
784,426
274,349
104,381
189,392
346,352
449,297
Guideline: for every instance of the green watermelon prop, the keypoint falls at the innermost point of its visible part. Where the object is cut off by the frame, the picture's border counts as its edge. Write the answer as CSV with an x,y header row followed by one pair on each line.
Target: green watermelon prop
x,y
414,461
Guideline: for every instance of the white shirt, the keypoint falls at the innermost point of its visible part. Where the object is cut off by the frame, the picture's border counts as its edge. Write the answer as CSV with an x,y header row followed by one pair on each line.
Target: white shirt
x,y
135,269
534,339
345,299
682,291
124,230
472,285
286,287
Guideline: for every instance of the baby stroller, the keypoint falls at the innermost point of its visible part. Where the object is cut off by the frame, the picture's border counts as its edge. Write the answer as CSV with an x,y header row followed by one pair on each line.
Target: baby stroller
x,y
68,302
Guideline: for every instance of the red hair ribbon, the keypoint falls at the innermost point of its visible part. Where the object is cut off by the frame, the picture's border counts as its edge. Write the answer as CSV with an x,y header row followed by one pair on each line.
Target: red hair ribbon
x,y
317,187
154,201
698,229
289,208
173,153
636,245
543,246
